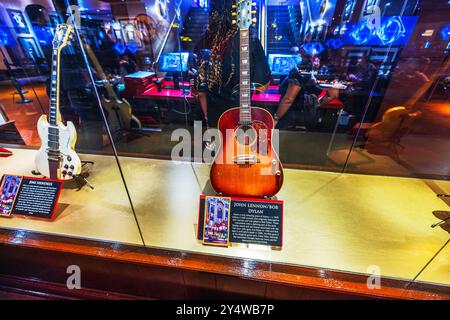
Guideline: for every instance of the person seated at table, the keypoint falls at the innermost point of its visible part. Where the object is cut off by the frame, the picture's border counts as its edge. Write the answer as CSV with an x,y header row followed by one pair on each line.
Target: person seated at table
x,y
362,75
218,80
299,100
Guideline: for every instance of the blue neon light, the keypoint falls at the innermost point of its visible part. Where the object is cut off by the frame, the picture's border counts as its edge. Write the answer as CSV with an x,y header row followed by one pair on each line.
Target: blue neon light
x,y
313,47
334,43
391,30
362,34
132,47
445,32
120,48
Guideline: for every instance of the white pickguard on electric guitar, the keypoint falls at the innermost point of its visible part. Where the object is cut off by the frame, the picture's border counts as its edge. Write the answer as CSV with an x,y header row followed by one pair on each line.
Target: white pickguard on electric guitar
x,y
57,159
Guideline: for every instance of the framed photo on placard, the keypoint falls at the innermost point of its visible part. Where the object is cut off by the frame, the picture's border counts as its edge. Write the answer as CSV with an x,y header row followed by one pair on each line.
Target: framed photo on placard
x,y
217,221
9,187
19,21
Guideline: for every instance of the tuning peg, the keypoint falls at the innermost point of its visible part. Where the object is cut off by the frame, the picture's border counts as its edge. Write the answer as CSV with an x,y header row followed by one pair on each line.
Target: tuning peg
x,y
254,20
234,6
253,4
233,14
253,11
233,21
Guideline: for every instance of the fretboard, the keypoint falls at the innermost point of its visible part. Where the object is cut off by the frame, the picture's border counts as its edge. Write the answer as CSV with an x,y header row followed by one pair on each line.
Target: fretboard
x,y
245,115
53,130
54,89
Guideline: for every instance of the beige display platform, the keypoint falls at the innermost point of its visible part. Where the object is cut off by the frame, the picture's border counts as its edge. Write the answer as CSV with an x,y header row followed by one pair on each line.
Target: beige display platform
x,y
348,222
438,271
103,213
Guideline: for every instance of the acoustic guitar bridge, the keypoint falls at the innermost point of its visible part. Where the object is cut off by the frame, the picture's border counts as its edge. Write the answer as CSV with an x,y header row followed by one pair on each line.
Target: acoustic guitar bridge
x,y
246,160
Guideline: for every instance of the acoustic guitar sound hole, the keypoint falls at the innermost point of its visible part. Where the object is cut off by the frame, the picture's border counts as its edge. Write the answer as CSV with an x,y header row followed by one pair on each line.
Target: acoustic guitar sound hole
x,y
246,135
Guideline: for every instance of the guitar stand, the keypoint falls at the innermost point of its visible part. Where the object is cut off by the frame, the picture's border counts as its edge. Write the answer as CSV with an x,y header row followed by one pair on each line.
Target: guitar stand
x,y
80,179
21,92
121,133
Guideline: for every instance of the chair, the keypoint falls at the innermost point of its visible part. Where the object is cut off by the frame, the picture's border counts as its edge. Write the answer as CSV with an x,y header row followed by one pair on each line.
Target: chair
x,y
394,125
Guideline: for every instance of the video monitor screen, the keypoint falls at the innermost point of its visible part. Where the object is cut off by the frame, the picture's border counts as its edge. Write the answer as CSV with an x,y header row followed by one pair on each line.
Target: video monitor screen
x,y
282,64
174,62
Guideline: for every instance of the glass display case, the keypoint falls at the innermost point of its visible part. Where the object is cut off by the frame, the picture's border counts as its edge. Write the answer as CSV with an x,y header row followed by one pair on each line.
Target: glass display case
x,y
328,121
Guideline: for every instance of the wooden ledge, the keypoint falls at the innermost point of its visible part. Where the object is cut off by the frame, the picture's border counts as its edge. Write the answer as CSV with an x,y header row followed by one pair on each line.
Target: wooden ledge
x,y
186,275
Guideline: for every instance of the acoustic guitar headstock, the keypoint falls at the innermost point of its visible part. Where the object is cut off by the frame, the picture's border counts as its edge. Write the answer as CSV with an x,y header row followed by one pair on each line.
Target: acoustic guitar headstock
x,y
244,14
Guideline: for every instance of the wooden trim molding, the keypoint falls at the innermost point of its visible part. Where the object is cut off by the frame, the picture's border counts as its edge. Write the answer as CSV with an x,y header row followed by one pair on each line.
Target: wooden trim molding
x,y
112,270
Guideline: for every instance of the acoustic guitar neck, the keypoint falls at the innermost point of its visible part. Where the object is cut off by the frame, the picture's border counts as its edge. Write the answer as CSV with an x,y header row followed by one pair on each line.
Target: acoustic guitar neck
x,y
245,114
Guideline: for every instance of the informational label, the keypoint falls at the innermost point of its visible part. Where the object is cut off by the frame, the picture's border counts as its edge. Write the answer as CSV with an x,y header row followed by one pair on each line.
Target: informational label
x,y
256,222
251,221
31,196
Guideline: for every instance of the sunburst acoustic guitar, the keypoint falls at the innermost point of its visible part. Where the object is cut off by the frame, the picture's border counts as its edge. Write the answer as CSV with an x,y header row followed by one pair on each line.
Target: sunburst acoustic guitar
x,y
246,164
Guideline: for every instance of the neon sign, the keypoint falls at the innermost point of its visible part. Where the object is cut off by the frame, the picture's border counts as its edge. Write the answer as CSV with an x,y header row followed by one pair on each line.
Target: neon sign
x,y
391,30
362,34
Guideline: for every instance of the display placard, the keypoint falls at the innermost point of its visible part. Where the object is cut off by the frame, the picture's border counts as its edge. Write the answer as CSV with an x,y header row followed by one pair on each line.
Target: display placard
x,y
35,197
241,220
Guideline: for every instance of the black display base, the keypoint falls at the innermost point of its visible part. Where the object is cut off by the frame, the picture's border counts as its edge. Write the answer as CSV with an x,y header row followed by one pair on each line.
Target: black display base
x,y
78,181
82,177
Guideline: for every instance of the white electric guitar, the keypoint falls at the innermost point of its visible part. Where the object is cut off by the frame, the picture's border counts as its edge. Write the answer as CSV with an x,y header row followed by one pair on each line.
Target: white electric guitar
x,y
56,159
